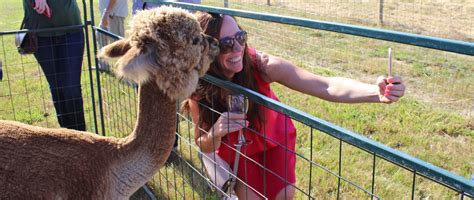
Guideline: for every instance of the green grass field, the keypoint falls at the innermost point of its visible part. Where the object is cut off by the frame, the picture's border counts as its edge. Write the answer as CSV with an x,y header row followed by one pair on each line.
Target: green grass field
x,y
433,122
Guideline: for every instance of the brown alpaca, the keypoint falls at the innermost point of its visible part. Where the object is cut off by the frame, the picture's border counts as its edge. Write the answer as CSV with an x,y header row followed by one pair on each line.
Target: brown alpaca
x,y
165,54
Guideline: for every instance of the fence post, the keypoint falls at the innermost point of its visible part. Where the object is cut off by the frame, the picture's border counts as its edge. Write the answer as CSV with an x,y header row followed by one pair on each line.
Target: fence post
x,y
381,12
268,3
1,71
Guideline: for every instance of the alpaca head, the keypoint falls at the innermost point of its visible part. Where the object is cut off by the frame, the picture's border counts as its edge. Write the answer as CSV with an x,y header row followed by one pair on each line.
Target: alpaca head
x,y
165,45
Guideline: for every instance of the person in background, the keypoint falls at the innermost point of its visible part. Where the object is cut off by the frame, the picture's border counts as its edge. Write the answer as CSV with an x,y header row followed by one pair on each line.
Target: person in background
x,y
136,6
60,55
273,135
113,14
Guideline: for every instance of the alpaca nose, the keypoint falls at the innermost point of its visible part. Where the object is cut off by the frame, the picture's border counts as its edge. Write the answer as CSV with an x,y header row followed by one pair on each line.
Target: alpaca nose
x,y
213,43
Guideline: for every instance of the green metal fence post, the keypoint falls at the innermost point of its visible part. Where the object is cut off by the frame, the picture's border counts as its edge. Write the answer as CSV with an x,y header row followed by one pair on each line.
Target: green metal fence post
x,y
99,92
86,29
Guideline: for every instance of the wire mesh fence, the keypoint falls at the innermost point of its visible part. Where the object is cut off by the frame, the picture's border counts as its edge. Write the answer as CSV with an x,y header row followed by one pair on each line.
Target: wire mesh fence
x,y
26,95
327,169
340,176
434,122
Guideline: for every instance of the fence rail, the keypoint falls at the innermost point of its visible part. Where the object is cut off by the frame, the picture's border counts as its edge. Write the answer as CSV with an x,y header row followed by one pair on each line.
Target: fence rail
x,y
120,120
417,166
449,45
460,184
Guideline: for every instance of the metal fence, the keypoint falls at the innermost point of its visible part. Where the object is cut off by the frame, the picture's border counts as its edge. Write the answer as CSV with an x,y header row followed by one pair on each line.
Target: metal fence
x,y
372,170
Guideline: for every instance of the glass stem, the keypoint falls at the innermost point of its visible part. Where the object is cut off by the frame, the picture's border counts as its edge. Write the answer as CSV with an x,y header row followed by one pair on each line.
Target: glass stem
x,y
241,137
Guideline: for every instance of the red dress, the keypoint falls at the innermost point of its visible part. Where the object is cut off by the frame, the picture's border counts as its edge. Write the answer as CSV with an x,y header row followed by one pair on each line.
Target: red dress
x,y
272,148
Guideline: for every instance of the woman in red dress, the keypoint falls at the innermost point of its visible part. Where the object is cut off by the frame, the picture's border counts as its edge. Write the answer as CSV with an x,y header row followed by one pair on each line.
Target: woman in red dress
x,y
267,168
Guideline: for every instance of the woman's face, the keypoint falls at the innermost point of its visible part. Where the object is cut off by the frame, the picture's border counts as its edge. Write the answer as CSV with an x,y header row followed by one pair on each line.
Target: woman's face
x,y
231,61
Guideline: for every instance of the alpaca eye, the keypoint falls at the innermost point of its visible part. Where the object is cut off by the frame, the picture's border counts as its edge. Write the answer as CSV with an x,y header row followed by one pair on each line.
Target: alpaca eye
x,y
195,40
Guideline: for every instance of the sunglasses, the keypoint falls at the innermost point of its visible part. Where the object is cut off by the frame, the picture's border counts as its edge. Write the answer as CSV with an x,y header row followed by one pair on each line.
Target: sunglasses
x,y
227,44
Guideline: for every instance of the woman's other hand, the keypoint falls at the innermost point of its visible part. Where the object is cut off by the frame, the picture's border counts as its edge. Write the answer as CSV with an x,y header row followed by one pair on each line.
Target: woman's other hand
x,y
104,22
262,60
390,89
41,6
227,123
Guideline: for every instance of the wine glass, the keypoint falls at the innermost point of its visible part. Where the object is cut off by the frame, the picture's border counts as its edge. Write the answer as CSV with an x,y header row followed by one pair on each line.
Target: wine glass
x,y
238,103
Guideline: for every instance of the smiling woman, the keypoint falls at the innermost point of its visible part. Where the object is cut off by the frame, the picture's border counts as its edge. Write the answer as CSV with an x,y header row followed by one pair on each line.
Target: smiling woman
x,y
273,134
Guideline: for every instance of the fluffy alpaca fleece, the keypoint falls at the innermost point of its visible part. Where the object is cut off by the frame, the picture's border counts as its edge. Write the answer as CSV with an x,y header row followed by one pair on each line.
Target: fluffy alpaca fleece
x,y
159,37
165,54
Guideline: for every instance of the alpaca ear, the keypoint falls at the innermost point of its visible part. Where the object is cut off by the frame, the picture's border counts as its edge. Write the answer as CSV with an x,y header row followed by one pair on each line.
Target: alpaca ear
x,y
136,65
116,49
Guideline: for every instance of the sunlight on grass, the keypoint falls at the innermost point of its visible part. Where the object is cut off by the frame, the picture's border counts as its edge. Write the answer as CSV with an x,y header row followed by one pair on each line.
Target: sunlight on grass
x,y
433,122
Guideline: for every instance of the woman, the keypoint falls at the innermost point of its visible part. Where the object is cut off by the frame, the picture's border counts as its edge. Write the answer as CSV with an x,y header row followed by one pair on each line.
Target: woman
x,y
272,134
60,55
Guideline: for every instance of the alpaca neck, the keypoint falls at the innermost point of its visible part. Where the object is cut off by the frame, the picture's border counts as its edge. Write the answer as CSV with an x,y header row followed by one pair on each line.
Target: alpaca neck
x,y
156,121
146,149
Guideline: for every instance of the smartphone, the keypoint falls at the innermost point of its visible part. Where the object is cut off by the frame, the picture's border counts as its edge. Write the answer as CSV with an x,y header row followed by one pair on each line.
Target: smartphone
x,y
390,65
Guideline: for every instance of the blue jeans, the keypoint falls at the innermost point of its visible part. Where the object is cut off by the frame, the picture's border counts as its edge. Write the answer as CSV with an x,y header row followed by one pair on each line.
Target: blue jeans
x,y
60,57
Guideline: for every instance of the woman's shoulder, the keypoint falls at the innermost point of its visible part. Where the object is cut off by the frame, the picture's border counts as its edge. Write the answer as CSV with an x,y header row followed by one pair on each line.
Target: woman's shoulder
x,y
264,64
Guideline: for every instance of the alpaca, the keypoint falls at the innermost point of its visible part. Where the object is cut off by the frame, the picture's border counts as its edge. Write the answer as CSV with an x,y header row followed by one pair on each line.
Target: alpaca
x,y
165,53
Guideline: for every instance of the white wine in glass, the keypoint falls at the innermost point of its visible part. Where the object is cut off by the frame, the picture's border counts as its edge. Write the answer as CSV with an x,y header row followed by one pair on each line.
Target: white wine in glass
x,y
238,103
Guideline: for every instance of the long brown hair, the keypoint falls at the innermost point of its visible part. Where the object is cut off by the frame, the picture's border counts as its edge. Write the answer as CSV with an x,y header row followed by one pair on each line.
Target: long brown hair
x,y
212,98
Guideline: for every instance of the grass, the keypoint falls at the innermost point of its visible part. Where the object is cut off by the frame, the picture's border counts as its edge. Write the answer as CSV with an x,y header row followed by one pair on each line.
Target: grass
x,y
433,122
447,19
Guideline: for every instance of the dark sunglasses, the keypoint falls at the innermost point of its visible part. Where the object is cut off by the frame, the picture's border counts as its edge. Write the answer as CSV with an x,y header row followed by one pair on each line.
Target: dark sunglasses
x,y
227,44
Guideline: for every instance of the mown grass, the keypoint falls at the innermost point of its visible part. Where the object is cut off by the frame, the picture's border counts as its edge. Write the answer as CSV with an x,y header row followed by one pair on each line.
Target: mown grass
x,y
433,122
